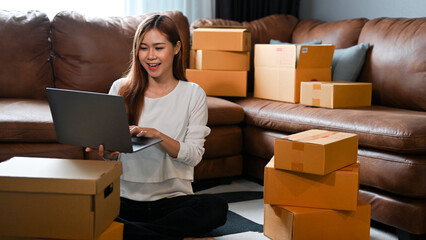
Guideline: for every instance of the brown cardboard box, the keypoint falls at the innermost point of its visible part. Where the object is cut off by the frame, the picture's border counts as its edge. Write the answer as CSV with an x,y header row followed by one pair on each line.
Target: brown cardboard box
x,y
316,151
280,68
113,232
220,83
336,94
337,190
298,223
219,60
223,39
58,198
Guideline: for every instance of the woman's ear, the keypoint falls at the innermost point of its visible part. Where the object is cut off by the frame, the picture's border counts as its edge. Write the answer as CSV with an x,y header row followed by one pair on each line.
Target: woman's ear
x,y
177,47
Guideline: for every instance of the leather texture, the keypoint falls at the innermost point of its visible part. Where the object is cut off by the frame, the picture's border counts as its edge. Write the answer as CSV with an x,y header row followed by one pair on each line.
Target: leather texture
x,y
396,62
25,70
342,34
408,214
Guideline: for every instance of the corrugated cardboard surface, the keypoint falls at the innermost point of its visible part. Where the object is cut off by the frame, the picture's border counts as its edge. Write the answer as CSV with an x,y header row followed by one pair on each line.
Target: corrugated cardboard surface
x,y
336,190
224,39
58,198
220,60
336,94
289,65
316,151
297,223
220,83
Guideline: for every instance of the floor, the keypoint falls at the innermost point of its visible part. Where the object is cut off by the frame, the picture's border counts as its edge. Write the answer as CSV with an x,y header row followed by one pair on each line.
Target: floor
x,y
253,210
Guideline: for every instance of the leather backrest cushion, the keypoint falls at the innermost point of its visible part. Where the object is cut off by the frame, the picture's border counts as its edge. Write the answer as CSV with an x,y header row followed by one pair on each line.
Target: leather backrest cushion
x,y
25,70
277,26
342,34
91,53
396,61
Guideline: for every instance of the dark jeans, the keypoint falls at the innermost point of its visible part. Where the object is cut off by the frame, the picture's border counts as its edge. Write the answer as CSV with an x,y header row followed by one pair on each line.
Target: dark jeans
x,y
172,218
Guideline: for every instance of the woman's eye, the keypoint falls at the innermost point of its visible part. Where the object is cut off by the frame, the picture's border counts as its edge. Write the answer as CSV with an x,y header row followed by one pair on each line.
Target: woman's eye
x,y
159,48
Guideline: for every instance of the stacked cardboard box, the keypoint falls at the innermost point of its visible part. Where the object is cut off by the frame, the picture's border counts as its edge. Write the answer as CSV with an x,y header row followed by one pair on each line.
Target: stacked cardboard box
x,y
220,60
311,188
46,198
279,69
336,94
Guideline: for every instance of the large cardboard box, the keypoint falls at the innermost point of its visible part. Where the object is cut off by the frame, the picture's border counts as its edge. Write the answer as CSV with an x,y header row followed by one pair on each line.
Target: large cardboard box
x,y
220,83
223,39
219,60
298,223
336,94
316,151
280,68
58,198
337,190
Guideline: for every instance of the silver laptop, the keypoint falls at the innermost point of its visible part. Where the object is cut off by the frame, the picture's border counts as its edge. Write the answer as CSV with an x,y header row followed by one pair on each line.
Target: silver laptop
x,y
89,119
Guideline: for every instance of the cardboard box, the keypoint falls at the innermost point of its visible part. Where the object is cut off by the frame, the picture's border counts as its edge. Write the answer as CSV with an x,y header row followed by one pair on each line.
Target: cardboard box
x,y
337,190
219,60
113,232
316,151
58,198
223,39
298,223
280,68
336,94
220,83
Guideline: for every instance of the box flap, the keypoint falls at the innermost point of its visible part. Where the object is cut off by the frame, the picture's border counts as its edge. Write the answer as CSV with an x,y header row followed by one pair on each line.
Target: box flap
x,y
51,175
275,55
315,56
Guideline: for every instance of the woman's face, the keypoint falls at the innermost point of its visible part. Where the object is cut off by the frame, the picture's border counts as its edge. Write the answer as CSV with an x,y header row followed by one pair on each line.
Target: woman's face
x,y
156,54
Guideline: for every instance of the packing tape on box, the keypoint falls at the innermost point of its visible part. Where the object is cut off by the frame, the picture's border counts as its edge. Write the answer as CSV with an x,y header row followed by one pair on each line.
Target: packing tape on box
x,y
316,102
316,86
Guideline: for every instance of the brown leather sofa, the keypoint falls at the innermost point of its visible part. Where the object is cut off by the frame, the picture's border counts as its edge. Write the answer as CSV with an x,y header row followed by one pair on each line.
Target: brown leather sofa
x,y
392,132
75,52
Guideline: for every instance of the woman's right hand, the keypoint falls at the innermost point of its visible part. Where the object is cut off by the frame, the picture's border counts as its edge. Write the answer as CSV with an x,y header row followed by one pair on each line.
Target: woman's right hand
x,y
104,154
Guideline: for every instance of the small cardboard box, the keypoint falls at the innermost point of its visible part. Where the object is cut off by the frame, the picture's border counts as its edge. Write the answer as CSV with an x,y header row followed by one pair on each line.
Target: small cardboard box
x,y
219,60
220,83
337,190
223,39
316,151
280,68
58,198
298,223
336,94
113,232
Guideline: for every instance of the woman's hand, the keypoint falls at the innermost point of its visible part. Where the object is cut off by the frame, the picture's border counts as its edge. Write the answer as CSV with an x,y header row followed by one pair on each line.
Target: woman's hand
x,y
104,154
170,145
144,132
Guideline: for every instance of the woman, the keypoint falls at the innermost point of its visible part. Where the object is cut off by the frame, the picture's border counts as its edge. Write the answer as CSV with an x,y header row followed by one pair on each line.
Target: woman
x,y
157,200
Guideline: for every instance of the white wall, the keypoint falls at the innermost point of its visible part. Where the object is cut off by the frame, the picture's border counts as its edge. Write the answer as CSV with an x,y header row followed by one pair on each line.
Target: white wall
x,y
334,10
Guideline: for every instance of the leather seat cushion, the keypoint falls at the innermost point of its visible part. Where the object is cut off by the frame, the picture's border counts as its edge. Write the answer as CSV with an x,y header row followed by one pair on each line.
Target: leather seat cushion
x,y
378,127
25,120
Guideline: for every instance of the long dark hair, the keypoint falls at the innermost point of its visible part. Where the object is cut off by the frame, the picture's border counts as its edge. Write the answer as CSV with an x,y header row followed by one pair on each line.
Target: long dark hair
x,y
133,90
